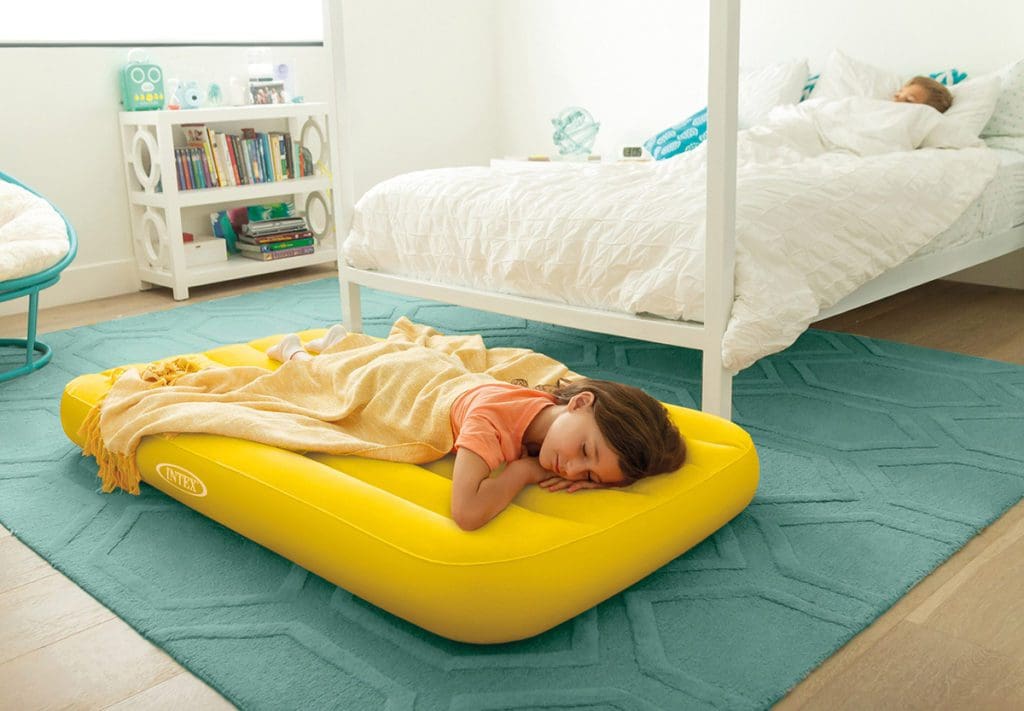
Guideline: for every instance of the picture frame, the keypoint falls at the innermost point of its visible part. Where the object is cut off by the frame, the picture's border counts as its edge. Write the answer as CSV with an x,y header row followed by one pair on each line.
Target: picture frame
x,y
264,91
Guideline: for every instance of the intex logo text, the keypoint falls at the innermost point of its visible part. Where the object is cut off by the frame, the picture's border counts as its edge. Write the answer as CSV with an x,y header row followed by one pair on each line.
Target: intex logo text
x,y
181,479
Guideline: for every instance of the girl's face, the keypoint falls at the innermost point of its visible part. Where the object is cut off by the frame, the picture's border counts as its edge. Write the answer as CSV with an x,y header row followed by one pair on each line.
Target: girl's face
x,y
575,449
911,94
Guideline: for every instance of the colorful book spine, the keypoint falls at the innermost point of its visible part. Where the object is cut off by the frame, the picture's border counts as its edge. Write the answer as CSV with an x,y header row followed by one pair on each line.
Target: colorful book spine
x,y
289,147
178,170
280,157
274,150
229,149
186,167
280,237
268,165
280,254
275,246
194,155
210,143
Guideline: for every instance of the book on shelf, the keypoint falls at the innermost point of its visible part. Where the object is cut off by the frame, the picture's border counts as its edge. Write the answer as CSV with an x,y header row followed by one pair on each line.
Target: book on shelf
x,y
210,159
246,246
279,237
273,227
279,254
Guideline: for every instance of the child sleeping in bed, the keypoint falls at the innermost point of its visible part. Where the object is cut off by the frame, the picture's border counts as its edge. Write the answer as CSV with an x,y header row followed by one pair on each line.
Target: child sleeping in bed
x,y
585,435
858,125
925,90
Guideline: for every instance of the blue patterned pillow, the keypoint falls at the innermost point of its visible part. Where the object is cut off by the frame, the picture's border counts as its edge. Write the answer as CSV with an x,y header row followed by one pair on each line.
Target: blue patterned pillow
x,y
680,138
949,77
812,81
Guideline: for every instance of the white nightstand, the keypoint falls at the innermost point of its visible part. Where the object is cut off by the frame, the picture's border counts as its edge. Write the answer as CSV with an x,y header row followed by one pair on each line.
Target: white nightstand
x,y
527,164
517,164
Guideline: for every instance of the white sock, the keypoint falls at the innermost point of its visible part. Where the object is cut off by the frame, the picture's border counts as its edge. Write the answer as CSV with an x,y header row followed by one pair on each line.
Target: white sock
x,y
333,335
286,348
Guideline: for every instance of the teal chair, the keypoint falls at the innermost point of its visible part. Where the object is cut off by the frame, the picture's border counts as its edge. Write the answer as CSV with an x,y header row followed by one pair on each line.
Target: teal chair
x,y
37,354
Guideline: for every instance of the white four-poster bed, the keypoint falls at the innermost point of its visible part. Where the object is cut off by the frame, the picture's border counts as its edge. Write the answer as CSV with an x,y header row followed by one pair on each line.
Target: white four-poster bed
x,y
719,255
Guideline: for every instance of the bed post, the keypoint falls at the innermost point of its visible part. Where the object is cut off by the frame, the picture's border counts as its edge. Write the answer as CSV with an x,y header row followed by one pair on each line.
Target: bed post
x,y
720,240
341,156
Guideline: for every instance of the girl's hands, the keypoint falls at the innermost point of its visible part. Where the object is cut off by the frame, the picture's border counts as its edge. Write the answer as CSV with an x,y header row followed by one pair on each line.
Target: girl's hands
x,y
556,483
527,469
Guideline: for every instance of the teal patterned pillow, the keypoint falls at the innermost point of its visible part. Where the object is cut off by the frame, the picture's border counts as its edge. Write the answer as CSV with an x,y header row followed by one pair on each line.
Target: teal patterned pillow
x,y
812,81
680,138
949,77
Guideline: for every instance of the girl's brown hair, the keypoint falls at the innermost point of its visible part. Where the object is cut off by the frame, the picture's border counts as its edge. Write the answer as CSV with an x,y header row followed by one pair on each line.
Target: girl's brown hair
x,y
939,97
635,425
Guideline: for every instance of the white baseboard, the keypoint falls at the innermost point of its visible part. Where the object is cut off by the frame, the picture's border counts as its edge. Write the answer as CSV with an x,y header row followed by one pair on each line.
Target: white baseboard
x,y
84,283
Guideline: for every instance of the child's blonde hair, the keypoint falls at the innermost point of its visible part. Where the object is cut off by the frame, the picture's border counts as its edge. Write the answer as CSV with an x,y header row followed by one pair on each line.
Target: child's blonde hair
x,y
635,425
939,97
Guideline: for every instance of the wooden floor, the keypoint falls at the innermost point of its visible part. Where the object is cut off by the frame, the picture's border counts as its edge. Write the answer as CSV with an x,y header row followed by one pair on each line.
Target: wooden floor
x,y
956,641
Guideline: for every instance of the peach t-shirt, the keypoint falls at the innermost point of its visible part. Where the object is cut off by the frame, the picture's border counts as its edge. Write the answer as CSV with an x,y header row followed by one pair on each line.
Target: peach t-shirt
x,y
490,420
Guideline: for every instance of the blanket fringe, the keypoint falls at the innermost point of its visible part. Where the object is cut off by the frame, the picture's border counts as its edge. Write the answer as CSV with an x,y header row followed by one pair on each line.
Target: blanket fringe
x,y
121,471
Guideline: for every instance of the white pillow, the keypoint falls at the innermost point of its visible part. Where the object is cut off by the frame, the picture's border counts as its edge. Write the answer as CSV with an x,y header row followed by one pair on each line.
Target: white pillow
x,y
974,101
33,237
845,76
1006,127
763,89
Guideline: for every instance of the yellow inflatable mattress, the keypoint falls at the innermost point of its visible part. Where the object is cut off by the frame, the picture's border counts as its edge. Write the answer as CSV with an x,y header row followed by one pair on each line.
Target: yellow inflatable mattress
x,y
383,531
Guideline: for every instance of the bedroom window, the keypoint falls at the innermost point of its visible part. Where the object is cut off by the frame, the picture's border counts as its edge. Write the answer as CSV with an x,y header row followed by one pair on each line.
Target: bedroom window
x,y
62,23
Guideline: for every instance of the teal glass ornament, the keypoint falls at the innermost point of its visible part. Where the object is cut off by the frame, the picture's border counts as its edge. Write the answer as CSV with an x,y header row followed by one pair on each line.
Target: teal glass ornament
x,y
214,95
575,132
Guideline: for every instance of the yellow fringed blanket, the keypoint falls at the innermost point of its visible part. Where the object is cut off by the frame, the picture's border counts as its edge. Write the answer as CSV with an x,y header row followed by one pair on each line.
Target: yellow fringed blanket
x,y
386,399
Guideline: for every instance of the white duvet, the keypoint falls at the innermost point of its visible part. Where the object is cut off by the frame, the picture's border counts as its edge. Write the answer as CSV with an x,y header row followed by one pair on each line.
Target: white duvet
x,y
33,236
830,195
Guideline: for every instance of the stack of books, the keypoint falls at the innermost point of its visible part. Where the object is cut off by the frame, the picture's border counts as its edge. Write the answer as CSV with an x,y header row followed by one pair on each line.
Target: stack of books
x,y
211,159
275,239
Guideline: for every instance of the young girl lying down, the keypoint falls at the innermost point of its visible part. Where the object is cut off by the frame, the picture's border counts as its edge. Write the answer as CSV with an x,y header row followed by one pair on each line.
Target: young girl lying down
x,y
927,91
855,125
584,435
412,398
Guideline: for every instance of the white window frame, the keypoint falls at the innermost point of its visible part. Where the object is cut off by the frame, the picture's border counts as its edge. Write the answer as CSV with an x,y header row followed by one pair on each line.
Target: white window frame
x,y
181,22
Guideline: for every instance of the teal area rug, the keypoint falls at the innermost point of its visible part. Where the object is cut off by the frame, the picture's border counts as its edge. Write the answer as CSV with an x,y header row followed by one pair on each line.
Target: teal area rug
x,y
879,461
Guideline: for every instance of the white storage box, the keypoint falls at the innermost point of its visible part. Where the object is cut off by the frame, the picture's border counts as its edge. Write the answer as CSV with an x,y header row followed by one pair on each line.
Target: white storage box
x,y
205,249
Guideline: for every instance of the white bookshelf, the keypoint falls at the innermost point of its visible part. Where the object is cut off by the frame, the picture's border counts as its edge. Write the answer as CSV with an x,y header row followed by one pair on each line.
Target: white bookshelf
x,y
161,212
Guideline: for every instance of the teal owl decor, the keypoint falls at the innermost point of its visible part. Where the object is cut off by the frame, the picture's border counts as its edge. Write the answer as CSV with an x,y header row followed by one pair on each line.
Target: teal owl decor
x,y
142,84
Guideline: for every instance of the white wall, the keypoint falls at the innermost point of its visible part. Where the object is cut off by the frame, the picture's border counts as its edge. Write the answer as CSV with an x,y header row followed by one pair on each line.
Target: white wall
x,y
422,85
422,92
635,65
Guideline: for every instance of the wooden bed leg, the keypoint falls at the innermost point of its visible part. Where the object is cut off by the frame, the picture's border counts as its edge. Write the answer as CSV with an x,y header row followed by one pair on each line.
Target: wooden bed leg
x,y
716,386
351,314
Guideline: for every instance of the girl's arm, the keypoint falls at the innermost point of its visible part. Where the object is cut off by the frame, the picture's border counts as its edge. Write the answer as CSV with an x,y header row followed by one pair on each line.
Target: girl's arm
x,y
477,497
